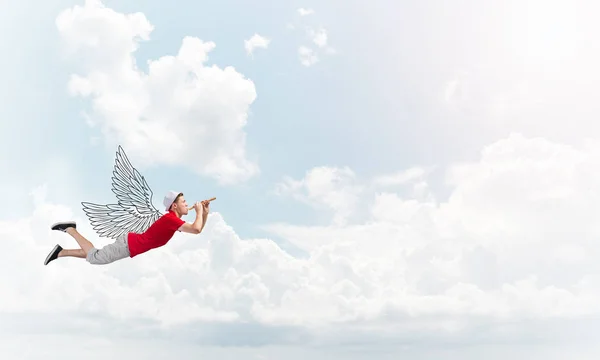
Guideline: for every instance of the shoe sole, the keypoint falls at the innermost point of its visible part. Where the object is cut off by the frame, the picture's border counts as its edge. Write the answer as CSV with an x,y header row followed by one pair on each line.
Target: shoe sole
x,y
50,254
63,223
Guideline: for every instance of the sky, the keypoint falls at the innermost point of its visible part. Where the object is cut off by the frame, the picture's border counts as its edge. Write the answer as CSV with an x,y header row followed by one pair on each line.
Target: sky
x,y
412,179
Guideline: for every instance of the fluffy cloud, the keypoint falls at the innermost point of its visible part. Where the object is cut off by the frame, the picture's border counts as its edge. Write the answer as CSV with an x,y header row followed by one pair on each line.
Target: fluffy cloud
x,y
181,112
325,187
402,177
319,37
307,56
515,241
305,12
255,42
316,35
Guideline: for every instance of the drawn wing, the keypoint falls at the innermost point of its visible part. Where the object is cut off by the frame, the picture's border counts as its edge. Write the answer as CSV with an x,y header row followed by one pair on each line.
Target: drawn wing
x,y
134,211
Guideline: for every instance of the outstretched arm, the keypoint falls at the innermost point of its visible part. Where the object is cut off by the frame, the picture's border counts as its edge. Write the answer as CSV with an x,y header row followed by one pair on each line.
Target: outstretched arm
x,y
198,225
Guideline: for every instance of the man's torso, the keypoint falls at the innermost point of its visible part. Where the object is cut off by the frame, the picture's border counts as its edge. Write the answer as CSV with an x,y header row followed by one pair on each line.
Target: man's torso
x,y
157,235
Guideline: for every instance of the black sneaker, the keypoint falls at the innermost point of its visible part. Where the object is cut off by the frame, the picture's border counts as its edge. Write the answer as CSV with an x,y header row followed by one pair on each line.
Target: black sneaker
x,y
62,226
53,254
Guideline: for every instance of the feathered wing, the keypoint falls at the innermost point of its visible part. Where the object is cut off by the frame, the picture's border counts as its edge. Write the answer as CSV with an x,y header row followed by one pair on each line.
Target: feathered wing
x,y
134,211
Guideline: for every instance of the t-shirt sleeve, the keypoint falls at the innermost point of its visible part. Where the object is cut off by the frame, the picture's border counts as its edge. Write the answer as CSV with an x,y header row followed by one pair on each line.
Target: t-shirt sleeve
x,y
176,222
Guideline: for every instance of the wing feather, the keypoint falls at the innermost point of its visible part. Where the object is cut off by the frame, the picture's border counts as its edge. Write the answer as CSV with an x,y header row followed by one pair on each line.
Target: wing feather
x,y
133,212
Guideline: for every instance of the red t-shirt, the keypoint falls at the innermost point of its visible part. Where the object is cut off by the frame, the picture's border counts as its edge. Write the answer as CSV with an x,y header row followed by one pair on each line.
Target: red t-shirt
x,y
157,235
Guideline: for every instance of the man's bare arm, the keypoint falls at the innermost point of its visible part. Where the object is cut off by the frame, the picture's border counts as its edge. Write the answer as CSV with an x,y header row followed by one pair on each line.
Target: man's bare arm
x,y
204,216
198,225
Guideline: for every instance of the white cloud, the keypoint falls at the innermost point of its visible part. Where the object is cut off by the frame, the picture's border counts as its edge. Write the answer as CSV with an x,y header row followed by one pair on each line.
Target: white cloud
x,y
255,42
515,240
402,177
307,56
413,178
319,37
182,112
305,12
329,187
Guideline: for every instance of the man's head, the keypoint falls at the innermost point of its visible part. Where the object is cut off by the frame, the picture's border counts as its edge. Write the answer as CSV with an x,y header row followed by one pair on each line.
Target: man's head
x,y
175,201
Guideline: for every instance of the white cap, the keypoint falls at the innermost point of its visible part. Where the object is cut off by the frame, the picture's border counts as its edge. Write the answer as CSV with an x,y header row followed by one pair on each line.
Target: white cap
x,y
169,198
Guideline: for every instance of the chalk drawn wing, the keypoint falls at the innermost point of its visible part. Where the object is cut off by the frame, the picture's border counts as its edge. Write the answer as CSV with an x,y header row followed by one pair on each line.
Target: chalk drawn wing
x,y
133,212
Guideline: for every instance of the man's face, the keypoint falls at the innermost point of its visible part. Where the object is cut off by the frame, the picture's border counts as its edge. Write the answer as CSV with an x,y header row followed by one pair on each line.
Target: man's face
x,y
181,205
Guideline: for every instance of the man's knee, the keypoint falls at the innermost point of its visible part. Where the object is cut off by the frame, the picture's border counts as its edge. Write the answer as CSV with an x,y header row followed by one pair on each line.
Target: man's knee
x,y
97,257
92,257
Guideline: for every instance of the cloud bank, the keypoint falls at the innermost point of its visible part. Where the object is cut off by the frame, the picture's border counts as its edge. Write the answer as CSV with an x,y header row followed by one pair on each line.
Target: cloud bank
x,y
514,242
181,112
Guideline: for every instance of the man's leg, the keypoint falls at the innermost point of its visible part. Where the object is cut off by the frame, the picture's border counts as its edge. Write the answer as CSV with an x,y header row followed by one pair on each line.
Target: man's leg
x,y
78,253
70,228
58,251
108,254
84,243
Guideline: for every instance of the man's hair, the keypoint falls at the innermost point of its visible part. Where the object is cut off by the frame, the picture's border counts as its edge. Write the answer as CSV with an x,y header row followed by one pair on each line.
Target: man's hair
x,y
174,201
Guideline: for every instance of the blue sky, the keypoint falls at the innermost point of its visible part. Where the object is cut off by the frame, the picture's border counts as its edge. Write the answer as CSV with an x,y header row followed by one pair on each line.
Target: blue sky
x,y
359,121
382,118
302,116
425,176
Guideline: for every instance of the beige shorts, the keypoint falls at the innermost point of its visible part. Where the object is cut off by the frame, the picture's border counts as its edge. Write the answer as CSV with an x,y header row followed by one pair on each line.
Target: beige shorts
x,y
112,252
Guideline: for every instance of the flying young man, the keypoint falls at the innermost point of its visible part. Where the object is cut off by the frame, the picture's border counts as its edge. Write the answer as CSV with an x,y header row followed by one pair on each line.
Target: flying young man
x,y
134,224
131,243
